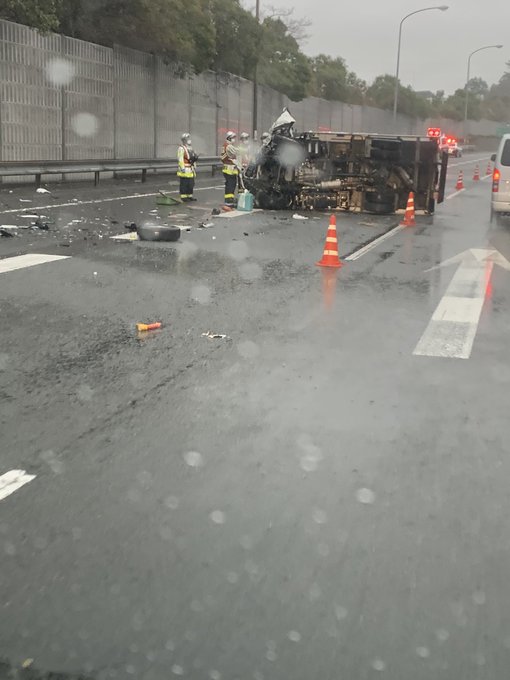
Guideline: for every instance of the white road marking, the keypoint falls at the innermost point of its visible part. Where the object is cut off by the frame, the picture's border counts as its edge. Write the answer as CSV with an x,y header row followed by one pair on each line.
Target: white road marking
x,y
125,237
12,481
95,201
452,329
373,244
9,264
473,160
455,193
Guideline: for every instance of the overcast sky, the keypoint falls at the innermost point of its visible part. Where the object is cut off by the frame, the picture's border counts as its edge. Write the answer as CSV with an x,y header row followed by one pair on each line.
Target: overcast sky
x,y
435,45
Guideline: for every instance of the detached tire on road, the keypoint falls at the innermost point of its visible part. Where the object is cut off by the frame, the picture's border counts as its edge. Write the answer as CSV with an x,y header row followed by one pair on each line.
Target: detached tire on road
x,y
158,233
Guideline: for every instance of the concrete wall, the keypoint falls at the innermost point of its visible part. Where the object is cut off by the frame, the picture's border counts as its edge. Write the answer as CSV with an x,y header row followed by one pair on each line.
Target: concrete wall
x,y
62,98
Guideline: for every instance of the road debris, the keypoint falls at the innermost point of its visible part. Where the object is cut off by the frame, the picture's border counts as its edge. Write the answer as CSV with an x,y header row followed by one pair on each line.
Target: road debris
x,y
216,211
130,225
41,190
151,232
215,336
205,225
44,226
148,326
296,216
6,234
25,200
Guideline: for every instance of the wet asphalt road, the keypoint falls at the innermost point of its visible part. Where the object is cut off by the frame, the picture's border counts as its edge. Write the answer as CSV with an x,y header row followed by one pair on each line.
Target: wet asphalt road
x,y
302,499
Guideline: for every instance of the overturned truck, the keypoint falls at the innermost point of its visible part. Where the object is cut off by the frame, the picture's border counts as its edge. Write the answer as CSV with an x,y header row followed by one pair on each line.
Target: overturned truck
x,y
337,170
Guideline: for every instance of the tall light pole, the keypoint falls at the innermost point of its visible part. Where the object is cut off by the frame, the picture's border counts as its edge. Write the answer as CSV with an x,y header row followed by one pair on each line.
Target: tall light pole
x,y
441,8
468,78
255,83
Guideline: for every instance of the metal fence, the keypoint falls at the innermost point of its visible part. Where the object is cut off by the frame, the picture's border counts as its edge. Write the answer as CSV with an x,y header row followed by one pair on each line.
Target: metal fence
x,y
65,99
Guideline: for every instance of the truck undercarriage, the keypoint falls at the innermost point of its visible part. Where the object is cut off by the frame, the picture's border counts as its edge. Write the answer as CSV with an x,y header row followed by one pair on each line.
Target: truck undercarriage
x,y
336,170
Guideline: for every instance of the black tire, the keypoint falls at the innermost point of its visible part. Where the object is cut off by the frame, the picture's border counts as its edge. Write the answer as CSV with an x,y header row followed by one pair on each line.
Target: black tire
x,y
379,203
272,201
158,233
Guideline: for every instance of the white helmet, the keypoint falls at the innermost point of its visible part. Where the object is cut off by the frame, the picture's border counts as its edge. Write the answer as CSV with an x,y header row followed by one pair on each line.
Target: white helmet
x,y
186,137
244,136
265,135
230,136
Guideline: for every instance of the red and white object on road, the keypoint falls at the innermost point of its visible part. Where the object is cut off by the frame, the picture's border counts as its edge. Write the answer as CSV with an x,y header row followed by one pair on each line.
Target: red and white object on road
x,y
409,216
476,176
330,256
460,182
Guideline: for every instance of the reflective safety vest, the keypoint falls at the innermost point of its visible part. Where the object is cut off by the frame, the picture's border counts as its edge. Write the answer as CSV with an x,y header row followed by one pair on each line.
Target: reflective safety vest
x,y
186,167
228,157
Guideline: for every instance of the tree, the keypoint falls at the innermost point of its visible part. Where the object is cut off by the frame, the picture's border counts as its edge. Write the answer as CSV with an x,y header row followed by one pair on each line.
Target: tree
x,y
328,78
237,38
297,28
478,87
40,14
282,65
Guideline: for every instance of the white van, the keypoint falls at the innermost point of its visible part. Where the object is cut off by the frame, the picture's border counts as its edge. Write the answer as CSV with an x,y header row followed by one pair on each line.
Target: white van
x,y
500,201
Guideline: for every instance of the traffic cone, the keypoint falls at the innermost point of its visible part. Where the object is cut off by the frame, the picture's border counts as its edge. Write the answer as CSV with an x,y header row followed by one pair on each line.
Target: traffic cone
x,y
489,169
409,220
330,256
460,182
476,176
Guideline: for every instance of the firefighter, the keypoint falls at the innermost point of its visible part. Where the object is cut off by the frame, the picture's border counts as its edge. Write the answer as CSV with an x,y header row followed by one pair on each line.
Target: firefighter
x,y
230,168
186,172
244,149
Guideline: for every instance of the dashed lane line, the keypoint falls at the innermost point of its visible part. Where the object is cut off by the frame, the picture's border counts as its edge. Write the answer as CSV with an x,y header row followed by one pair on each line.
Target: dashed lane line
x,y
9,264
472,160
12,481
96,201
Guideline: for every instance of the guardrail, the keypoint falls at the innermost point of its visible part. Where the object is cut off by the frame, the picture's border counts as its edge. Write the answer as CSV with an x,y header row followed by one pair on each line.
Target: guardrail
x,y
40,168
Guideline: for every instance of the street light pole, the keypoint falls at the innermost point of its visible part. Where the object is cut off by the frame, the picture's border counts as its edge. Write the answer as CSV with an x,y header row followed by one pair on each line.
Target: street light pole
x,y
468,78
441,8
255,83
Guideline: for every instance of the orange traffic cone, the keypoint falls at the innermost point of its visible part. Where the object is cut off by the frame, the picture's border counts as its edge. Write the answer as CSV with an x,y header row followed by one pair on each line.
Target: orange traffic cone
x,y
489,169
330,256
476,176
460,182
409,220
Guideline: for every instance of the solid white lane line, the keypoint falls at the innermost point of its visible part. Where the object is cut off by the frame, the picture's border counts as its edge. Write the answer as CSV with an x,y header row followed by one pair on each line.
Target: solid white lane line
x,y
95,201
452,328
455,193
10,264
373,244
12,481
473,160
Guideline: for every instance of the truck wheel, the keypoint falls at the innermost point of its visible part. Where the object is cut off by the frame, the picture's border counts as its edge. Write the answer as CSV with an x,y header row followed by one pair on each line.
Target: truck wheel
x,y
158,233
379,204
272,201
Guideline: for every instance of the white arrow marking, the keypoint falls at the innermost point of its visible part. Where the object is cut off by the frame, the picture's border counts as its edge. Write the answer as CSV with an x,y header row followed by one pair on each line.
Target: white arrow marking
x,y
12,481
452,328
10,264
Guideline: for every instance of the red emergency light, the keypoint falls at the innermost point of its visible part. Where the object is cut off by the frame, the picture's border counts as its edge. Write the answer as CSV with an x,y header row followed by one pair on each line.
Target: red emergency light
x,y
434,132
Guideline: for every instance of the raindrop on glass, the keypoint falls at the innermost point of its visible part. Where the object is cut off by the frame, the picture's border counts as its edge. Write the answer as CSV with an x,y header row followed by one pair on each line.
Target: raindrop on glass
x,y
215,675
315,592
250,271
294,636
378,665
201,294
4,361
60,71
193,459
340,613
232,577
177,670
319,516
171,502
323,550
271,655
248,349
479,597
85,124
238,250
365,496
423,652
442,634
218,517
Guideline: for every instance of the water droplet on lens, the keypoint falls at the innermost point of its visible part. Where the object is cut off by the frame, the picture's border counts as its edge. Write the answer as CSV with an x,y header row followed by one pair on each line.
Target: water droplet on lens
x,y
378,665
365,496
85,124
479,597
294,636
423,652
442,634
171,502
319,516
340,613
218,517
177,670
193,459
